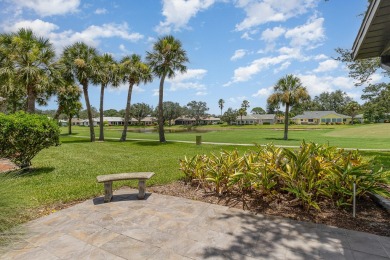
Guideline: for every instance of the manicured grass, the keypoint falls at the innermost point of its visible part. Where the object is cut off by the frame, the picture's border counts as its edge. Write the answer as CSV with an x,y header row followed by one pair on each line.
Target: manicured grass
x,y
373,136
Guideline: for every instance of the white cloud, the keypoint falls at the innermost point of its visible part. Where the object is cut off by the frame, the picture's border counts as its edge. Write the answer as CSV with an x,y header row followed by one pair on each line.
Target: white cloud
x,y
201,93
307,34
101,11
178,13
49,7
188,80
242,74
124,87
284,66
238,54
90,36
186,85
270,35
320,57
40,27
264,92
264,11
327,65
189,75
156,92
316,84
123,48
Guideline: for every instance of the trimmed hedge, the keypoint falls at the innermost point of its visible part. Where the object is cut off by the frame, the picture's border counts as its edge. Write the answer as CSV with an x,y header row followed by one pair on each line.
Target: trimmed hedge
x,y
23,136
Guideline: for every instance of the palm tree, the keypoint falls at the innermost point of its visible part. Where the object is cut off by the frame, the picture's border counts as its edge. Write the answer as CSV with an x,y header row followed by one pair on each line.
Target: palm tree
x,y
106,72
79,64
242,112
288,91
221,102
133,71
28,61
167,58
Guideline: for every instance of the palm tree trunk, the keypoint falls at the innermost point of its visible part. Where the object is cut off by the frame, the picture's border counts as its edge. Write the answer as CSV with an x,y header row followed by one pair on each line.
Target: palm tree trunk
x,y
30,100
89,112
127,113
286,120
101,125
160,110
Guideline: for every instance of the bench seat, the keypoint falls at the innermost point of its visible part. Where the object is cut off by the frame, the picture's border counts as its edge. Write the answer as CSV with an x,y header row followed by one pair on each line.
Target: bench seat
x,y
109,178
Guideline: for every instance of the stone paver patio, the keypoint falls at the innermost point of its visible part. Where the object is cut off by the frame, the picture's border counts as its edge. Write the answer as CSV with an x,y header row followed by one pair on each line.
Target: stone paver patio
x,y
165,227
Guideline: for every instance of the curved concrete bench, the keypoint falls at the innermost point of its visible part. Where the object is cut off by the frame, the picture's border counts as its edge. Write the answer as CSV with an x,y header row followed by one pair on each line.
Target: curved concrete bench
x,y
109,178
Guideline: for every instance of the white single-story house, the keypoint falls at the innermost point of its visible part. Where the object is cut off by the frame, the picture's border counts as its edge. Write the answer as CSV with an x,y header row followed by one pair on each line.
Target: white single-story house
x,y
149,120
210,120
321,117
253,119
184,121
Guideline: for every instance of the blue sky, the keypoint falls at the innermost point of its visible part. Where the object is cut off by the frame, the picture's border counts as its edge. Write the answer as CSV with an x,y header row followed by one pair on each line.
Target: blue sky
x,y
238,49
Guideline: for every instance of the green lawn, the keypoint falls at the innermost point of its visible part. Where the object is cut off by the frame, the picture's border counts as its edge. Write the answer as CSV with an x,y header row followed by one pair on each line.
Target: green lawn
x,y
68,172
373,136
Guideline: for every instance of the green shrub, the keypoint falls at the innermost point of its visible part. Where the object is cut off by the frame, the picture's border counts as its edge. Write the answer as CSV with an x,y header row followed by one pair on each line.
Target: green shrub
x,y
23,135
310,175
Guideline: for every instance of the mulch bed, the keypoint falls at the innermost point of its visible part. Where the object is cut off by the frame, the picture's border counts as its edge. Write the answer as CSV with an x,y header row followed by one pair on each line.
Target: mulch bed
x,y
370,217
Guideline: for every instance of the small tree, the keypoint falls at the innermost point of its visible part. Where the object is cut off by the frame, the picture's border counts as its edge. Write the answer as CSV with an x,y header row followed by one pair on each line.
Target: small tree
x,y
245,104
68,103
171,111
258,111
230,116
352,109
197,109
23,136
140,110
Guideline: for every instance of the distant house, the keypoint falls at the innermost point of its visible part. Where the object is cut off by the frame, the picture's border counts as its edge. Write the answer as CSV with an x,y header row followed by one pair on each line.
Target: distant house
x,y
184,121
210,120
115,120
149,120
321,117
257,119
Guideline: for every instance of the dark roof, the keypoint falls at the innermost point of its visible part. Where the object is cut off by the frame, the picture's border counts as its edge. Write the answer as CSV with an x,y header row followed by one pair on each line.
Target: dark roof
x,y
373,39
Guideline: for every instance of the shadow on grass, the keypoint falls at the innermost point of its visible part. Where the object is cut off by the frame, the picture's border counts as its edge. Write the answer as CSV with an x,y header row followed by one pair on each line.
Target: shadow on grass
x,y
28,172
151,143
281,139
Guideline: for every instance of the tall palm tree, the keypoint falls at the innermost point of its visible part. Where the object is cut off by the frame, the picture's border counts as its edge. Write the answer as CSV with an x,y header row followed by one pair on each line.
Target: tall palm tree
x,y
288,91
132,71
29,62
221,102
106,72
167,58
78,59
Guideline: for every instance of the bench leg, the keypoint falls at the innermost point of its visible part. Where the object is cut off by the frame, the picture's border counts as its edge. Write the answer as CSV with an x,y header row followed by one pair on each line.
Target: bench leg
x,y
107,191
141,189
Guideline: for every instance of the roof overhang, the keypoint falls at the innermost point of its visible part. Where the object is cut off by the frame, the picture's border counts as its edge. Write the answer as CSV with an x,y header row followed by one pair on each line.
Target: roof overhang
x,y
373,39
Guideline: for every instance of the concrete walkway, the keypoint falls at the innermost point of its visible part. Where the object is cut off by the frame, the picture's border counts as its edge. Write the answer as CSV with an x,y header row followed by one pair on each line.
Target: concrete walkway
x,y
164,227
